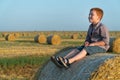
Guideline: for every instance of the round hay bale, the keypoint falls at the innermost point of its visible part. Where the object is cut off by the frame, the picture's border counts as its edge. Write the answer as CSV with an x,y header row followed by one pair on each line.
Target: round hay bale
x,y
109,70
23,34
54,39
75,36
80,70
10,37
40,38
116,45
36,38
4,34
16,35
112,39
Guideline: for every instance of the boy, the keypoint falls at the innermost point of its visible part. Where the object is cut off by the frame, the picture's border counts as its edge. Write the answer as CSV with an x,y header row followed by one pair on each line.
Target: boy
x,y
97,41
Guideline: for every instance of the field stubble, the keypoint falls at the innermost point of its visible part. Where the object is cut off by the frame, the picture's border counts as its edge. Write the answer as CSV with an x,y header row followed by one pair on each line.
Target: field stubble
x,y
27,47
24,47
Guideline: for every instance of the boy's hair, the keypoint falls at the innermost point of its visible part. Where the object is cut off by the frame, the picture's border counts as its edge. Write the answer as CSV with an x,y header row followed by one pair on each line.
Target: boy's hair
x,y
98,11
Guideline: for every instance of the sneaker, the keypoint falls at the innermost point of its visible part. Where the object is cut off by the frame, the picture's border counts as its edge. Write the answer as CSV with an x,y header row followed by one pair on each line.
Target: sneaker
x,y
64,61
56,60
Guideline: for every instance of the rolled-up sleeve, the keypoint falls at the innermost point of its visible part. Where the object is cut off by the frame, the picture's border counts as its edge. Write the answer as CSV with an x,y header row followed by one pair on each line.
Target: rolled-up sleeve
x,y
105,34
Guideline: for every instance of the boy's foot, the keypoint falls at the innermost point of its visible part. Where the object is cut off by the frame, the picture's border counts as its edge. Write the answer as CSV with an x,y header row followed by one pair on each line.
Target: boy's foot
x,y
64,62
56,61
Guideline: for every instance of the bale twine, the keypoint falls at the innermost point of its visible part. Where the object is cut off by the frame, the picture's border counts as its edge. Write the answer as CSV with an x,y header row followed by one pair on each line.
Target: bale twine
x,y
40,38
116,45
54,39
109,70
75,36
10,37
80,70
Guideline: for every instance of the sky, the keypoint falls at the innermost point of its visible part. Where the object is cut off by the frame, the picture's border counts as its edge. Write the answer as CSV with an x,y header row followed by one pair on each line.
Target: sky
x,y
55,15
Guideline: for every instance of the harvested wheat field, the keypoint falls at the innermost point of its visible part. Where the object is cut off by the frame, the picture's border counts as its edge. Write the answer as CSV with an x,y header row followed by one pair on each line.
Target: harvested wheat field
x,y
20,59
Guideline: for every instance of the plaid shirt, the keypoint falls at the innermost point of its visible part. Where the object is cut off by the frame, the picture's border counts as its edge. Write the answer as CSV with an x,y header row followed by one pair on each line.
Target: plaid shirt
x,y
98,33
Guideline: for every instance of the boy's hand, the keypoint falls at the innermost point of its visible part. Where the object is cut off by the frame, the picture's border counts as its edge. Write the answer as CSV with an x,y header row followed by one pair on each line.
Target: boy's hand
x,y
86,43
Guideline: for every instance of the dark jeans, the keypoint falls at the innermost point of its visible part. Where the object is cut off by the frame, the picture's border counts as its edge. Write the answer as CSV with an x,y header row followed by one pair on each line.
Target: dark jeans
x,y
92,49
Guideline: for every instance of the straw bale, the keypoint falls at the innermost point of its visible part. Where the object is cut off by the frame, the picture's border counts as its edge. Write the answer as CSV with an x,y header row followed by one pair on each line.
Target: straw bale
x,y
4,34
16,35
36,38
112,39
54,39
75,36
109,70
116,45
40,38
10,37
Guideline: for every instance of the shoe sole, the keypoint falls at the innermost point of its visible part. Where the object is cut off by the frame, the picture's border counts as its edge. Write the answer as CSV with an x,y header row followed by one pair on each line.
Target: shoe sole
x,y
63,63
53,59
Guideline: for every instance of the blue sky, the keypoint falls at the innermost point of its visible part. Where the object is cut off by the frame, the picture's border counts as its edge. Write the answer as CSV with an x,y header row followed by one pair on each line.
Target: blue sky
x,y
63,15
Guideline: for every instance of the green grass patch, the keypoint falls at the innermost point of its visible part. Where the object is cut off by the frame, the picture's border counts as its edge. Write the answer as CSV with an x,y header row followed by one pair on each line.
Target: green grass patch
x,y
76,43
22,61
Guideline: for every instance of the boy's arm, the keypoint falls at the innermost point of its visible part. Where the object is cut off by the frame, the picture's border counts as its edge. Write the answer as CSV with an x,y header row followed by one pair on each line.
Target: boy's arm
x,y
100,43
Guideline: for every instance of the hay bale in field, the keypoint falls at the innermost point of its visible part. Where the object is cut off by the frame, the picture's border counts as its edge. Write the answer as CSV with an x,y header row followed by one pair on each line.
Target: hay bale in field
x,y
16,35
112,39
75,36
36,38
54,39
10,37
40,38
116,45
109,70
23,34
80,70
4,34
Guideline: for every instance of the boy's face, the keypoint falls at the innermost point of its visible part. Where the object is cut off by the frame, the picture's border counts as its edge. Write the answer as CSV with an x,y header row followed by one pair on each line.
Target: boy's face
x,y
93,17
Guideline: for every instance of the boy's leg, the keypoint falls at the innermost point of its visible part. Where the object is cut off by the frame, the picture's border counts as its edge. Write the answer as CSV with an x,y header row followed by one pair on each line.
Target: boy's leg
x,y
74,52
69,55
66,62
94,49
79,56
89,50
